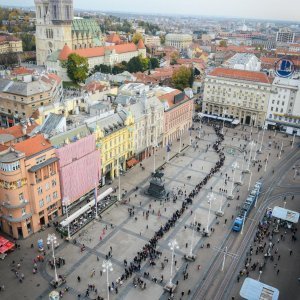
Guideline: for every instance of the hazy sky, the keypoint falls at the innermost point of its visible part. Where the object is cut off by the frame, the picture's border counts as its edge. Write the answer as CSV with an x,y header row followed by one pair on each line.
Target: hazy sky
x,y
264,9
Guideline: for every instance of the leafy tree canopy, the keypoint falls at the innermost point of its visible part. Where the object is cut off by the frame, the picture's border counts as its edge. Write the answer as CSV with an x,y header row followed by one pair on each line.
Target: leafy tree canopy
x,y
77,68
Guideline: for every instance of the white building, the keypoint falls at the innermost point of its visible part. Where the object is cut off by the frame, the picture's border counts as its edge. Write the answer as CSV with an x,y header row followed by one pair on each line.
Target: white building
x,y
152,40
284,106
237,94
178,40
243,61
285,35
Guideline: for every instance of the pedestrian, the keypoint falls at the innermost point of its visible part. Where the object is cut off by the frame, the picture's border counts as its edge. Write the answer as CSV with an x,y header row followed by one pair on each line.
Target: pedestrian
x,y
277,271
291,252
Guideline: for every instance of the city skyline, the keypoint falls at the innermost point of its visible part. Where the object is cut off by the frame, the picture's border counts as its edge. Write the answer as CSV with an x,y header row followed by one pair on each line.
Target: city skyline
x,y
214,8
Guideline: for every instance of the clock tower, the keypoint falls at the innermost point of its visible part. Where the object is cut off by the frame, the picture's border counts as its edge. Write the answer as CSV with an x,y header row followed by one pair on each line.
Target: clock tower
x,y
53,27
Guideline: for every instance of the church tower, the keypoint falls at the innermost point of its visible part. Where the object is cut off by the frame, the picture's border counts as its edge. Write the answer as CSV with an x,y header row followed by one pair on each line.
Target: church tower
x,y
53,27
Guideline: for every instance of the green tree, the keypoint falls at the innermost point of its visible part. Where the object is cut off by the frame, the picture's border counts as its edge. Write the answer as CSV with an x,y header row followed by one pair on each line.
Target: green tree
x,y
223,43
136,37
182,78
77,68
119,68
135,65
162,39
174,58
153,63
28,41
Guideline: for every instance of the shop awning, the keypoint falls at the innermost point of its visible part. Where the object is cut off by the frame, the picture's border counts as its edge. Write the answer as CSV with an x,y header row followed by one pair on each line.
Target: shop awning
x,y
131,162
5,245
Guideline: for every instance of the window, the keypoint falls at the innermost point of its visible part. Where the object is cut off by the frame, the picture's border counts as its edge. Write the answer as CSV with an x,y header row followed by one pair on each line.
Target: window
x,y
47,186
55,195
53,183
23,211
40,190
41,203
40,159
10,167
21,197
19,183
48,198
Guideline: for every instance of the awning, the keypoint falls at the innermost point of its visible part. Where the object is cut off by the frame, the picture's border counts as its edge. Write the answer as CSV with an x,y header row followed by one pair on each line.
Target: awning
x,y
131,162
43,164
3,241
235,122
285,214
6,247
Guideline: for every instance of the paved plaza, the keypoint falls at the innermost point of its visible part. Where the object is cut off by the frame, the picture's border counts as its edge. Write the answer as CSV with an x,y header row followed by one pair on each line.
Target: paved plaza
x,y
124,236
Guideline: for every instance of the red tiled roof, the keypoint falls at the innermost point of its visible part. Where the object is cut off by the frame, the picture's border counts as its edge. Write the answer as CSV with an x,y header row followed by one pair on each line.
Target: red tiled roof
x,y
270,61
7,38
65,52
17,131
97,51
169,97
21,71
33,145
3,147
113,38
141,44
240,74
144,78
94,86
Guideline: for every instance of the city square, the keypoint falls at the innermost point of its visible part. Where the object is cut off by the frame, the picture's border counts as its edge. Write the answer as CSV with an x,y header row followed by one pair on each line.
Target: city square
x,y
125,235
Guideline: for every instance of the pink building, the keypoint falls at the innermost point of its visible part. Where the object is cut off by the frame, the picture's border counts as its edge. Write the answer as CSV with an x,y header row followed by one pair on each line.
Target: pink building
x,y
79,162
178,115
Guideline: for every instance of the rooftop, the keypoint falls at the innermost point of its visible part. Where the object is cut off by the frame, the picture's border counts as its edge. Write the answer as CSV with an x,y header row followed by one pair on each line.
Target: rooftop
x,y
17,131
33,145
240,75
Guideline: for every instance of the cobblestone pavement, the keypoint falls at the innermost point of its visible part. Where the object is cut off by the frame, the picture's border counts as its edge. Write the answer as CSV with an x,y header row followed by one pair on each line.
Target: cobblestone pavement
x,y
127,235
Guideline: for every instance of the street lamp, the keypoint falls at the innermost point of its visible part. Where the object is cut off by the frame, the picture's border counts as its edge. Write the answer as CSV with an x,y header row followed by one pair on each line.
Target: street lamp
x,y
220,213
154,157
252,119
249,181
260,272
255,151
280,150
240,182
249,160
173,245
180,142
107,266
224,112
119,180
51,239
262,140
192,241
211,198
235,165
66,203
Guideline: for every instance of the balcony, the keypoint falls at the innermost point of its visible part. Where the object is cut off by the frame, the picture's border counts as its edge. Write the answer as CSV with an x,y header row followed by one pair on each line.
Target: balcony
x,y
16,220
15,206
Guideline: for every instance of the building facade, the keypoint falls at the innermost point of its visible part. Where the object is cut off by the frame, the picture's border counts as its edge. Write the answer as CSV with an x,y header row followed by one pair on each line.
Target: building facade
x,y
243,61
79,162
29,187
21,98
10,44
285,35
115,140
152,41
148,114
284,106
178,115
179,41
238,94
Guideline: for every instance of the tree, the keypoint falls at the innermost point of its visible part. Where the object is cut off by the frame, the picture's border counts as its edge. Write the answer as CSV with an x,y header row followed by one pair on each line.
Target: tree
x,y
153,63
134,65
182,78
174,58
28,41
119,68
136,37
77,68
223,43
162,39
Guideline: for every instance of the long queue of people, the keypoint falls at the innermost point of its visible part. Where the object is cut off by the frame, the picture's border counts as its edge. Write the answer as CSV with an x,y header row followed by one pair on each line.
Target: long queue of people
x,y
149,250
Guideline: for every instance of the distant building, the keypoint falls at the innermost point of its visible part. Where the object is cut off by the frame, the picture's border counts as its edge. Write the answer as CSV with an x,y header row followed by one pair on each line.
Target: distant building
x,y
29,188
285,35
284,109
56,27
243,61
179,41
20,98
237,94
152,41
10,44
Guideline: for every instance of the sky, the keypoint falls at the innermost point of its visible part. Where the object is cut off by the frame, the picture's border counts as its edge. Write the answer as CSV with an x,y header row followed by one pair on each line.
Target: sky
x,y
260,9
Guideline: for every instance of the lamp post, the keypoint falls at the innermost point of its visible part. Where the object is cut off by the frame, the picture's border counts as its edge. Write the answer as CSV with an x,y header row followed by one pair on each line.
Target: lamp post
x,y
192,241
249,181
96,205
220,213
107,266
154,157
262,140
211,198
255,151
119,180
244,219
224,112
66,203
224,258
252,119
173,245
260,272
280,150
51,239
180,142
293,141
266,162
235,165
248,167
240,182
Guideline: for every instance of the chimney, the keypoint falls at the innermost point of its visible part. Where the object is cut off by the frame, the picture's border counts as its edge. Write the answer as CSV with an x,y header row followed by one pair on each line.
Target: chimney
x,y
24,129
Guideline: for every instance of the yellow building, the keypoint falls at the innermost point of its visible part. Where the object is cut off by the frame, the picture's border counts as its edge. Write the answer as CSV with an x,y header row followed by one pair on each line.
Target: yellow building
x,y
10,44
115,140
